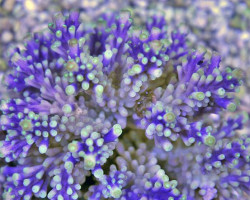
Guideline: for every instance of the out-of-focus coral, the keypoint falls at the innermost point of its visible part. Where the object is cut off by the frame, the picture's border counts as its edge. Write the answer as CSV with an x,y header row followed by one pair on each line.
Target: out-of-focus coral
x,y
219,171
136,176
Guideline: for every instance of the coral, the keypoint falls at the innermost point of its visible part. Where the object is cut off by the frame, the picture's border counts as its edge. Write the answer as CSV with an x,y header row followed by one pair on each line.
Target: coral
x,y
77,88
138,177
218,171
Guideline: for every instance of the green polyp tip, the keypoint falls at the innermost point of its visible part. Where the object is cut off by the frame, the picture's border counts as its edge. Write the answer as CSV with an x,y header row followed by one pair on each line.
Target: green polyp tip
x,y
195,76
58,33
35,188
99,89
53,124
237,155
221,157
136,68
229,77
95,60
221,91
20,192
169,117
55,45
183,197
51,194
108,54
145,60
89,162
73,42
70,90
91,76
42,194
156,45
167,146
231,107
72,29
167,185
43,149
176,191
69,191
68,165
210,140
167,133
116,192
217,164
157,184
89,142
60,197
73,147
148,184
51,25
79,78
26,182
89,66
200,96
26,125
117,129
143,36
31,115
72,66
67,108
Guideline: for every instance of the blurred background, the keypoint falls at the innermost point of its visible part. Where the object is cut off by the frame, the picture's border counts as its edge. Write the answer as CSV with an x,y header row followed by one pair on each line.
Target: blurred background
x,y
221,26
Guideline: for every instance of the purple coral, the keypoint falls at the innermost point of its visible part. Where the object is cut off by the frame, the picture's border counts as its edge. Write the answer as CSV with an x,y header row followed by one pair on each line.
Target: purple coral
x,y
210,172
138,177
76,88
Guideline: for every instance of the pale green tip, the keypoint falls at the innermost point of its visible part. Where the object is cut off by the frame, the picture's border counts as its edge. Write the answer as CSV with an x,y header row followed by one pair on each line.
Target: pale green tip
x,y
68,165
116,192
72,147
26,125
221,91
26,182
143,36
167,146
89,162
72,66
73,42
169,117
156,45
60,197
99,89
35,188
43,149
72,29
58,33
70,90
85,85
108,54
231,107
200,96
98,173
137,68
210,140
67,108
117,129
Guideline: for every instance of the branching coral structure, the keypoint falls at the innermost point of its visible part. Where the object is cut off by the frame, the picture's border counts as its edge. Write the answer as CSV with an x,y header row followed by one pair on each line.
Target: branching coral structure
x,y
78,90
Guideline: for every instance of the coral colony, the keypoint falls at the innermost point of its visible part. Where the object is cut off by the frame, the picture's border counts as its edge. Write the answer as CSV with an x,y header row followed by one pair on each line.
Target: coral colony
x,y
120,111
